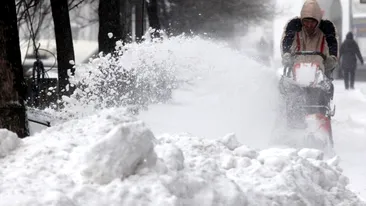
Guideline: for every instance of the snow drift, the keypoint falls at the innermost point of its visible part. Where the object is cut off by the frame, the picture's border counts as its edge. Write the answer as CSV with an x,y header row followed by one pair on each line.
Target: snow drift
x,y
111,158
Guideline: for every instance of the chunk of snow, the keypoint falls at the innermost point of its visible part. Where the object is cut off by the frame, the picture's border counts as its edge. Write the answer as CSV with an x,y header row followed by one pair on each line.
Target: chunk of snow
x,y
228,162
119,45
244,162
311,153
171,155
118,154
334,161
230,141
8,142
245,151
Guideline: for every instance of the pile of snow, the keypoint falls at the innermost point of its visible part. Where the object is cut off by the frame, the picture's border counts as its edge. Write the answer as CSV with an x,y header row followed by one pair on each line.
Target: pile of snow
x,y
111,158
269,177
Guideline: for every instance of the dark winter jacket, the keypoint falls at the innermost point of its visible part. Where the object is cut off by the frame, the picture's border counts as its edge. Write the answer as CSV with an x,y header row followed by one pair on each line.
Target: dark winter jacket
x,y
294,25
348,52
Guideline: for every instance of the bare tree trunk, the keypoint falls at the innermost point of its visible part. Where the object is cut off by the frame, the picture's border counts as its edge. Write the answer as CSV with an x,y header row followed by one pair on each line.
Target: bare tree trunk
x,y
152,11
64,44
166,18
12,85
109,22
139,14
126,20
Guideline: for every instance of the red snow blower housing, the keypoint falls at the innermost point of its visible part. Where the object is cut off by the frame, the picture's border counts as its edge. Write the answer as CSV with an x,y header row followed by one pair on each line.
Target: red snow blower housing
x,y
308,93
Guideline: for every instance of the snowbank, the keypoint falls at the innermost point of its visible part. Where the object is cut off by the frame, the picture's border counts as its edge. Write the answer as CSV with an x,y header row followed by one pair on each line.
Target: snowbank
x,y
273,176
111,158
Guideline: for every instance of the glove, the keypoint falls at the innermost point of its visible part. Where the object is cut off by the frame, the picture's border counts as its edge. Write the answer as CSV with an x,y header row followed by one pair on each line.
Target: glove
x,y
362,62
287,59
330,62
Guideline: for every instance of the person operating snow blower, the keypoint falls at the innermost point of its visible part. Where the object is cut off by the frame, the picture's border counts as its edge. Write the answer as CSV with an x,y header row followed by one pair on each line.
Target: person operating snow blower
x,y
310,32
309,50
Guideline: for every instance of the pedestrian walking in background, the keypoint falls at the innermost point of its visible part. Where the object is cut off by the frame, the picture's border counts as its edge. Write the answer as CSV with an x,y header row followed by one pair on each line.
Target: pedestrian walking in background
x,y
348,53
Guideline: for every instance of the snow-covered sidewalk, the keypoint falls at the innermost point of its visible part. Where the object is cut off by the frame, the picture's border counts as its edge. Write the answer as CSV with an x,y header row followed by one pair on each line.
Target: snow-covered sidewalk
x,y
349,125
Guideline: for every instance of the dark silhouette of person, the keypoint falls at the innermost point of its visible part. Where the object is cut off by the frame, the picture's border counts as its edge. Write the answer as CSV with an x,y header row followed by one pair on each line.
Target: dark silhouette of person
x,y
348,52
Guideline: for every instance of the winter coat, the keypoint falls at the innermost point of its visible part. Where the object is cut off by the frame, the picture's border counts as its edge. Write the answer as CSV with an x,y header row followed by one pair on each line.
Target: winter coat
x,y
324,39
348,52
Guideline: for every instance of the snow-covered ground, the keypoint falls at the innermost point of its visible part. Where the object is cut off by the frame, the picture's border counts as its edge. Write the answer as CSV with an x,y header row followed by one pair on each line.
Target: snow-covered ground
x,y
349,126
209,145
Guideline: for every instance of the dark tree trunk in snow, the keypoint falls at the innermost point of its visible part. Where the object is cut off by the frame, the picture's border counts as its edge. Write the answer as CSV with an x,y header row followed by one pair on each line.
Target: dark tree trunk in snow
x,y
64,44
125,20
12,85
109,22
152,12
139,14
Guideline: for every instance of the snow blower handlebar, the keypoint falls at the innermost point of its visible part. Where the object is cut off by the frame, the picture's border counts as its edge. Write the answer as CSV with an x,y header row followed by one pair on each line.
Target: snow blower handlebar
x,y
287,70
309,53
